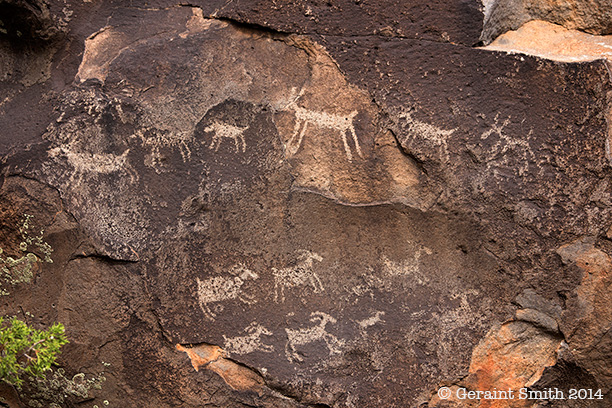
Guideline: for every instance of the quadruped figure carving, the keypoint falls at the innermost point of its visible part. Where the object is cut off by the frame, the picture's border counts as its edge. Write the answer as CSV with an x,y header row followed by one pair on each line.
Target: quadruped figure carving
x,y
308,335
305,117
220,288
249,343
297,275
226,131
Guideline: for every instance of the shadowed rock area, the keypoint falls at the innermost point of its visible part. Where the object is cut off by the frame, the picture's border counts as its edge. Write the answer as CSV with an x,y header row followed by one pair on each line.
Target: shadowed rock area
x,y
315,204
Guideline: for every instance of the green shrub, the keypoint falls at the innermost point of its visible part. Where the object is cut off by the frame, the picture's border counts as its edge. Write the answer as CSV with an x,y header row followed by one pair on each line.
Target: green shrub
x,y
27,351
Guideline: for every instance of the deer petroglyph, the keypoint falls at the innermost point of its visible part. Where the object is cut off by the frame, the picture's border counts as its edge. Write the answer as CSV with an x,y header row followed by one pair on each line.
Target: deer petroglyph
x,y
333,121
225,131
301,337
297,275
249,343
220,288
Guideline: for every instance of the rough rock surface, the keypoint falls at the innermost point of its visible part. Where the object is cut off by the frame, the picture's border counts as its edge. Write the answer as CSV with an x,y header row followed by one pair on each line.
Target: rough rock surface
x,y
554,42
307,204
591,16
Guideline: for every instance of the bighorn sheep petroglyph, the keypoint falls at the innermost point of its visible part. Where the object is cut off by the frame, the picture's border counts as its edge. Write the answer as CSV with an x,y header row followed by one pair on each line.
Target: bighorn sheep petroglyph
x,y
225,131
305,117
297,275
308,335
220,288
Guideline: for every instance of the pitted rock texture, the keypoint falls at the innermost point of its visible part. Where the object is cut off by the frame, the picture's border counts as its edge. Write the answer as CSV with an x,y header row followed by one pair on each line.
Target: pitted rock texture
x,y
271,207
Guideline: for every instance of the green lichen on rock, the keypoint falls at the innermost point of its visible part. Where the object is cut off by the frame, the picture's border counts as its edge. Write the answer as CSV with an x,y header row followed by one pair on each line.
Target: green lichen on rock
x,y
37,241
56,388
14,271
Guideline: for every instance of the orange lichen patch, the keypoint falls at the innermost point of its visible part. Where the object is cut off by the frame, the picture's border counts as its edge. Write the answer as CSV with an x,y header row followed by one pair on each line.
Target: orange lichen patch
x,y
236,376
212,358
554,42
512,356
202,354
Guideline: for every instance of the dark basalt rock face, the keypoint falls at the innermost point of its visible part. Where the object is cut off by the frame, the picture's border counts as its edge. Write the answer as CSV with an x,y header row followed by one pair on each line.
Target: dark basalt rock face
x,y
309,205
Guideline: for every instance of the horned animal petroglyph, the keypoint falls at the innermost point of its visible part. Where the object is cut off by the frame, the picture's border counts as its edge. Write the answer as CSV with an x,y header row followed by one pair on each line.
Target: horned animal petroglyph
x,y
220,288
298,275
249,343
301,337
333,121
225,131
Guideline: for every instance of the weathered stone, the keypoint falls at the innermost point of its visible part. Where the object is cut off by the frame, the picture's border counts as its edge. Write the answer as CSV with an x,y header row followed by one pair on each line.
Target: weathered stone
x,y
554,42
587,318
538,318
456,21
511,357
591,16
337,218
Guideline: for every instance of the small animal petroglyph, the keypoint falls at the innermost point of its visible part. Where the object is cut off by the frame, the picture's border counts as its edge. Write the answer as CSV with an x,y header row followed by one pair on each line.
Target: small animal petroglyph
x,y
220,288
305,117
408,266
500,151
370,321
298,275
428,131
249,343
308,335
225,131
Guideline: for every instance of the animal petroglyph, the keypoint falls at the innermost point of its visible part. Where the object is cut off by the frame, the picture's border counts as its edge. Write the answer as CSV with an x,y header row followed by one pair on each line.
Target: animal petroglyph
x,y
298,275
333,121
505,144
220,288
301,337
428,131
158,139
408,266
249,343
225,131
370,321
